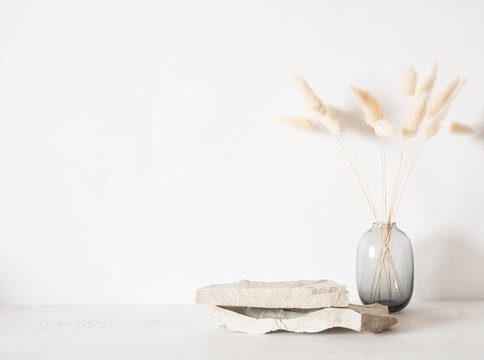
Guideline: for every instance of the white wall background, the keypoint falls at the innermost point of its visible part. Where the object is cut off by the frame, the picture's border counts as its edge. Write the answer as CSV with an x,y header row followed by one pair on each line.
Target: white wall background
x,y
140,159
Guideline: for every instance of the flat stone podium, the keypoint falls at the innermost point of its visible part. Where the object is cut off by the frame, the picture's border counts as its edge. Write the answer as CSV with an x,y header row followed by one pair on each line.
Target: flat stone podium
x,y
297,306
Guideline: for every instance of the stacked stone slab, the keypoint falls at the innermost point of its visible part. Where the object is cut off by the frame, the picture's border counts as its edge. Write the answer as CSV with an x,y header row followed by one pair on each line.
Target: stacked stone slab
x,y
296,306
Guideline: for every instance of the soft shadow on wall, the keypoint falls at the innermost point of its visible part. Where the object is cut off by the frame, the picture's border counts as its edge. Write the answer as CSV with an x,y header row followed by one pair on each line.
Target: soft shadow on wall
x,y
449,266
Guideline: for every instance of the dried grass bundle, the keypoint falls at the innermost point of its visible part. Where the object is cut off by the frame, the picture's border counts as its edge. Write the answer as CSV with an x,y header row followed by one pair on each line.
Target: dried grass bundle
x,y
456,128
415,115
427,80
312,101
420,108
409,81
372,110
297,122
443,97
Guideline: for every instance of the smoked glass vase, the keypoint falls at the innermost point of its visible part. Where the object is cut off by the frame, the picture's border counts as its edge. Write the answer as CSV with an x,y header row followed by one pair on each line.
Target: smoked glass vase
x,y
384,267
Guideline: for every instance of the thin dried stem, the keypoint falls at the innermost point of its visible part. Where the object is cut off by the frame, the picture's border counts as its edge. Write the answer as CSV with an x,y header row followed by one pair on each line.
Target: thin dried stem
x,y
355,166
406,179
385,267
364,187
384,181
361,172
396,180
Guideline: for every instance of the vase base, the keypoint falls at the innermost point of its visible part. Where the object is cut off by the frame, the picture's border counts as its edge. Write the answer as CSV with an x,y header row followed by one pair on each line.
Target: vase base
x,y
392,307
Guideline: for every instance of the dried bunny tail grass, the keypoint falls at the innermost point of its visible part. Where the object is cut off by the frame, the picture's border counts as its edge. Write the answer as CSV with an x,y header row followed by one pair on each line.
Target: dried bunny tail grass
x,y
384,128
436,119
433,123
333,120
456,128
427,80
312,101
409,81
297,122
414,117
443,97
371,108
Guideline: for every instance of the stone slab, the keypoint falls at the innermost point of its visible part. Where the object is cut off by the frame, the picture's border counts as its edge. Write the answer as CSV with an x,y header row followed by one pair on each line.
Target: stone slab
x,y
304,294
372,318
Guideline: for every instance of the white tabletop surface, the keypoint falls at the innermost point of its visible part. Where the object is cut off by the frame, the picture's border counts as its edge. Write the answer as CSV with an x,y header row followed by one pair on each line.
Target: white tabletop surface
x,y
427,330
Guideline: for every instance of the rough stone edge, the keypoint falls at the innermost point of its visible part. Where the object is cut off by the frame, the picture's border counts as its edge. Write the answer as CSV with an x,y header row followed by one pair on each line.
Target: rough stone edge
x,y
311,301
374,321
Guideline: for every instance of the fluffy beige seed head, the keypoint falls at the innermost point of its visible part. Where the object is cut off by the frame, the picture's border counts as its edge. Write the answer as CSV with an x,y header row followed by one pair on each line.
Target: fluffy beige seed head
x,y
312,101
297,122
442,97
409,81
416,113
372,110
384,128
333,119
456,128
433,122
427,80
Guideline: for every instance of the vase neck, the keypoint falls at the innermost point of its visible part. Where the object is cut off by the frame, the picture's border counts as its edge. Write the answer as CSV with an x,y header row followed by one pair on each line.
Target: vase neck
x,y
383,225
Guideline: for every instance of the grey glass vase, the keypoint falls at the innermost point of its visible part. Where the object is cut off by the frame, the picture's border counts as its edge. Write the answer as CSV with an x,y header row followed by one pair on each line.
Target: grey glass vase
x,y
384,267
